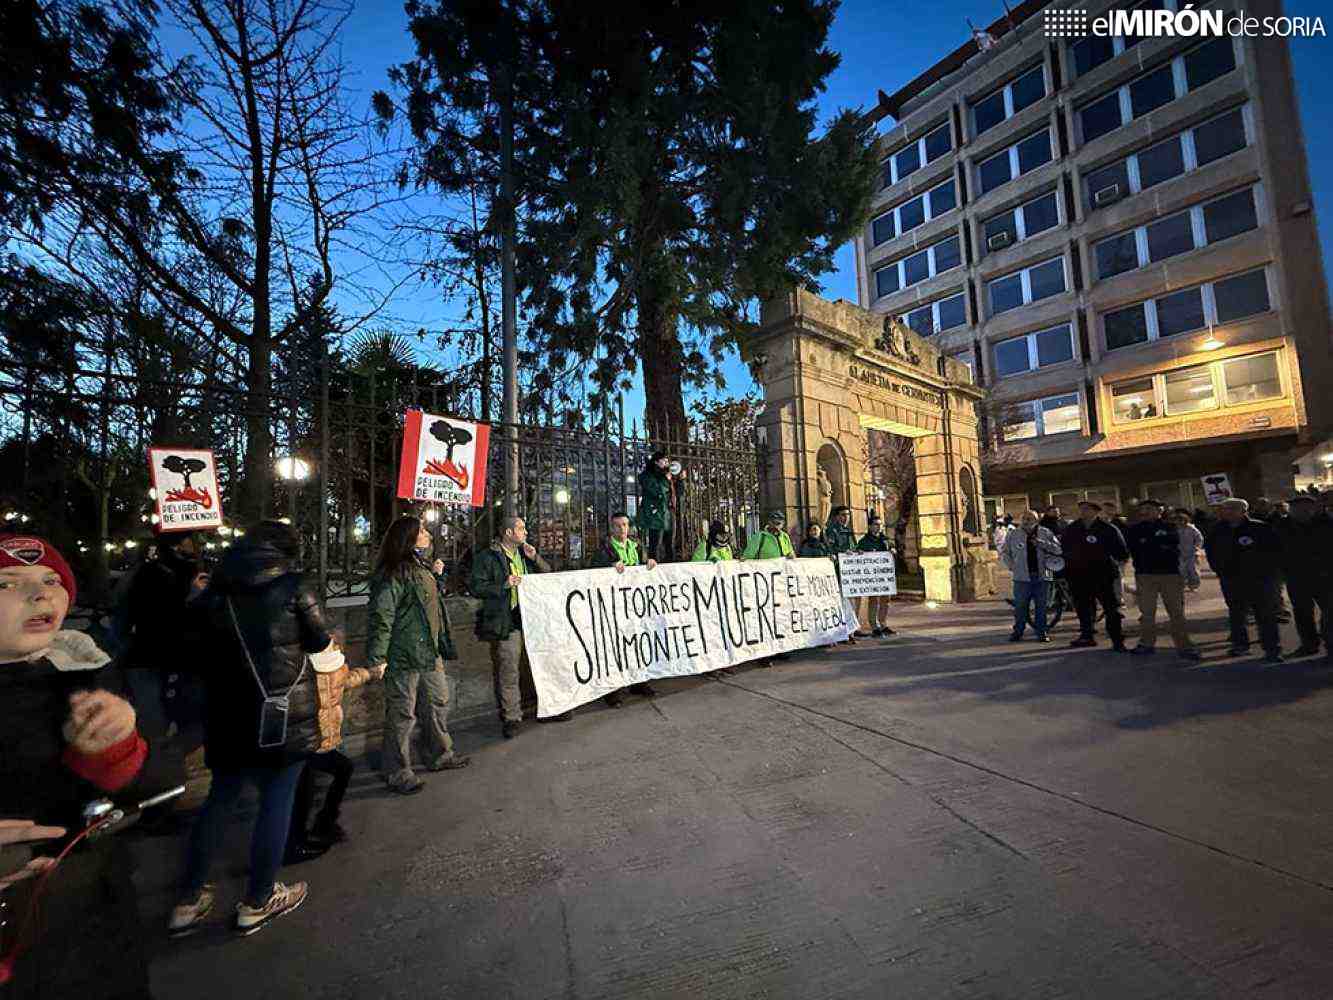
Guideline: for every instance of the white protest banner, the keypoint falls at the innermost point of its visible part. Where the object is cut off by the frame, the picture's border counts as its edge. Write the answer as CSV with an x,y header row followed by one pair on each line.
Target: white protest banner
x,y
185,484
590,632
868,574
1216,488
444,460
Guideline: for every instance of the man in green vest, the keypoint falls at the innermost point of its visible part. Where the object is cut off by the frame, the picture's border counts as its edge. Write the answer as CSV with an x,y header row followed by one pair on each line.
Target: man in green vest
x,y
495,576
620,551
772,542
716,547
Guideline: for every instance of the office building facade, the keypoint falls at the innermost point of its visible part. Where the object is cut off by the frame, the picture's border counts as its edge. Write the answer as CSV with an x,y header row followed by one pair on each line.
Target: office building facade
x,y
1118,237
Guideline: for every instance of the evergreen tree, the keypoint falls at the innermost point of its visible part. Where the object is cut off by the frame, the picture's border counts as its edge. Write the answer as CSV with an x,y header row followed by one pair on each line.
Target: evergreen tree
x,y
668,161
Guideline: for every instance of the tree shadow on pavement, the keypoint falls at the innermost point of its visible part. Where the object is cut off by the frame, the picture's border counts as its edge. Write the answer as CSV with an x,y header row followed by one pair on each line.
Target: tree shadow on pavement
x,y
1154,691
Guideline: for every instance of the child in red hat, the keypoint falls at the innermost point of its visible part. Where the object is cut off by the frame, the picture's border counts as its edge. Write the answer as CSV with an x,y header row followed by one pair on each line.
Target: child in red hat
x,y
67,737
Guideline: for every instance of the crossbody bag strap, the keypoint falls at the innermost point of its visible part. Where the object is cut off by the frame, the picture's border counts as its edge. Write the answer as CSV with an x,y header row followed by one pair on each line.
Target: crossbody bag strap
x,y
249,660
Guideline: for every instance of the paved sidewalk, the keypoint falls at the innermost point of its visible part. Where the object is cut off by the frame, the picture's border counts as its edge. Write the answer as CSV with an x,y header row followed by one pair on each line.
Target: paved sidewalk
x,y
940,815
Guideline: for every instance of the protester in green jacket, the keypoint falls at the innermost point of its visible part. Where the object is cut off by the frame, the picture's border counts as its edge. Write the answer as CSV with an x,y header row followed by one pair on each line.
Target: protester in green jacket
x,y
495,575
839,538
408,632
874,540
772,542
838,533
813,545
659,495
716,547
621,552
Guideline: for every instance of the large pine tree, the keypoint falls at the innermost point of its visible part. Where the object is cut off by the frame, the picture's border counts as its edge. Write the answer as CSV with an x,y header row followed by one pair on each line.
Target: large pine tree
x,y
670,167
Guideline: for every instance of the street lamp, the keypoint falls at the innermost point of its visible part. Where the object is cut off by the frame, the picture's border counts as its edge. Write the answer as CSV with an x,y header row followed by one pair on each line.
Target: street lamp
x,y
292,469
562,496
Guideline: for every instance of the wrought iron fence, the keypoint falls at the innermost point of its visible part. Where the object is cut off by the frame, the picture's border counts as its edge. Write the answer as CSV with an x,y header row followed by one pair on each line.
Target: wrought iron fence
x,y
73,447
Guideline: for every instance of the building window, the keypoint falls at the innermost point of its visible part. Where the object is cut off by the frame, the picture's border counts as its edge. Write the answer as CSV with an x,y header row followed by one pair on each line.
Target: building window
x,y
1186,151
1220,137
934,260
1233,382
1041,418
1067,500
1189,309
912,157
1241,296
938,316
915,212
966,359
1131,401
1029,285
1187,493
1034,350
1089,53
1019,223
1250,380
1196,227
1150,91
1009,100
1020,158
1189,390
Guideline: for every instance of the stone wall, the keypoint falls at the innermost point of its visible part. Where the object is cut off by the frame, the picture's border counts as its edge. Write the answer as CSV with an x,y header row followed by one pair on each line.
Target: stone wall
x,y
471,693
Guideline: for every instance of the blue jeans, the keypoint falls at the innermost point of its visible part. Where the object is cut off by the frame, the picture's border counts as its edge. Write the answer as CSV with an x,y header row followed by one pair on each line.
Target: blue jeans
x,y
1030,592
268,841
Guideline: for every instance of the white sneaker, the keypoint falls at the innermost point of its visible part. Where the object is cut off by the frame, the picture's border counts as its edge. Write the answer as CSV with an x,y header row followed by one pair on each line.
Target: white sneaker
x,y
283,900
190,915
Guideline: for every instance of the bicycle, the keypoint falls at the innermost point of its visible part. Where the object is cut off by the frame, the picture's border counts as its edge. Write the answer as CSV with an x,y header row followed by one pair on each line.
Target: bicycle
x,y
1059,600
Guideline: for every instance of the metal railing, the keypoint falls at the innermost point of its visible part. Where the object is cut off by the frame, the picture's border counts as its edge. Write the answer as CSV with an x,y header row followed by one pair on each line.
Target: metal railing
x,y
73,461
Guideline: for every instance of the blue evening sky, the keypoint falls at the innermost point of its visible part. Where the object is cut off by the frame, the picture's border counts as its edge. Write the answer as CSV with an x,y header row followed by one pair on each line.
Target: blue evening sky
x,y
880,48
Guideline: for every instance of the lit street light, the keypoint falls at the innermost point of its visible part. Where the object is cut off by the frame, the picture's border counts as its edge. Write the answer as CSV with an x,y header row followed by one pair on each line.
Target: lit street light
x,y
292,469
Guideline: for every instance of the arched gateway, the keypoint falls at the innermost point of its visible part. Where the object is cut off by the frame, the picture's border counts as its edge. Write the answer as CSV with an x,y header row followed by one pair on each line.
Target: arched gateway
x,y
832,372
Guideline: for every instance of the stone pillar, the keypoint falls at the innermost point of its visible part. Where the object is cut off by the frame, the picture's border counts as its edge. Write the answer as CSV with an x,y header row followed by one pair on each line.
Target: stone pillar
x,y
957,565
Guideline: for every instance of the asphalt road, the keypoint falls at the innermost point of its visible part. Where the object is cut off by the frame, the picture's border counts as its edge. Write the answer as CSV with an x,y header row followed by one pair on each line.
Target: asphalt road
x,y
939,815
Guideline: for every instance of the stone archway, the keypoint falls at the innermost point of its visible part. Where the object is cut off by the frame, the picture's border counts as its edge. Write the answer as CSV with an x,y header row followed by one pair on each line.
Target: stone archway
x,y
832,371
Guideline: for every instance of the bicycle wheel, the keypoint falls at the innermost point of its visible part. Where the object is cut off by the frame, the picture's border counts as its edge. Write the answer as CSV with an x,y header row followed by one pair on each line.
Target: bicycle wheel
x,y
1056,607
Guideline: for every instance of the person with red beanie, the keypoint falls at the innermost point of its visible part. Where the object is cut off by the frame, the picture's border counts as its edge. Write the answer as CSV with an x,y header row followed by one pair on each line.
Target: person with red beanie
x,y
68,736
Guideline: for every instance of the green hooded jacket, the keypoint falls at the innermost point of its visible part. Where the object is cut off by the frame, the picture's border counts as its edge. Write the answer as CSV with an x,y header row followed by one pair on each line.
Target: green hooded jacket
x,y
839,538
702,553
766,545
655,504
398,629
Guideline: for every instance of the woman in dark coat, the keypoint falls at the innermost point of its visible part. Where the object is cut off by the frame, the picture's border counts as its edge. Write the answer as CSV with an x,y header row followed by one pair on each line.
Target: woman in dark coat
x,y
814,546
257,624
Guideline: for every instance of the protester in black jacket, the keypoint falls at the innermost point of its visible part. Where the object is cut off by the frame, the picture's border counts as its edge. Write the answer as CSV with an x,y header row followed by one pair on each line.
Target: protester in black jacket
x,y
256,623
1093,551
1246,556
67,738
155,617
1053,522
1306,538
813,545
